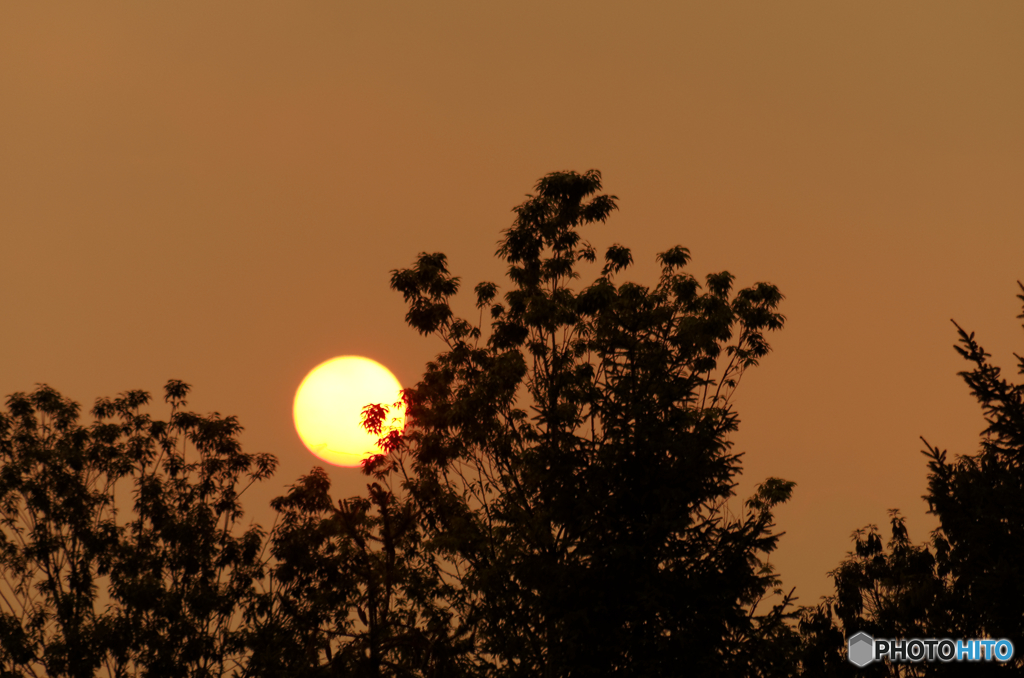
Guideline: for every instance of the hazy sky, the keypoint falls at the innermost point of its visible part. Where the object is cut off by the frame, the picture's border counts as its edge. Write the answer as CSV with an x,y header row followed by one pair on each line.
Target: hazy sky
x,y
217,192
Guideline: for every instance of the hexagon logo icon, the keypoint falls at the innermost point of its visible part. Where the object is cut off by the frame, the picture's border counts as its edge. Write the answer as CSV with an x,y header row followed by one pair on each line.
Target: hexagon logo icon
x,y
860,649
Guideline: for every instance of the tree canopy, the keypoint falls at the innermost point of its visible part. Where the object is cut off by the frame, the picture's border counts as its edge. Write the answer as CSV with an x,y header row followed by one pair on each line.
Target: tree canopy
x,y
558,504
571,461
148,510
966,581
561,503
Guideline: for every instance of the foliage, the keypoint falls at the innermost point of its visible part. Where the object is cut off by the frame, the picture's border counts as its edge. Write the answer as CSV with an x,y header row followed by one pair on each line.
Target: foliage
x,y
967,582
979,500
558,506
890,591
572,468
353,595
159,589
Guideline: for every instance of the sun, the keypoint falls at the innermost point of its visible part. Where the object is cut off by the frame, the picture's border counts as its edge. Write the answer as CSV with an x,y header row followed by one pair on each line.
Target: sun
x,y
329,404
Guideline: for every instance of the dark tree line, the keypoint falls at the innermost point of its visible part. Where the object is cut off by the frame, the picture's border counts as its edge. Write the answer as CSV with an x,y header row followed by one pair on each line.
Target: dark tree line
x,y
558,505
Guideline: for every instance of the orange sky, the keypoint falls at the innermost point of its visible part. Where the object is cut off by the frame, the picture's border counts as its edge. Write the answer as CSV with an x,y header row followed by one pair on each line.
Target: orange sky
x,y
217,192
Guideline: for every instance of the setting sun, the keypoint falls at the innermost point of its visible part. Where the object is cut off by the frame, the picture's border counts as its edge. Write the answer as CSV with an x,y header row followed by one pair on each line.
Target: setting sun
x,y
329,404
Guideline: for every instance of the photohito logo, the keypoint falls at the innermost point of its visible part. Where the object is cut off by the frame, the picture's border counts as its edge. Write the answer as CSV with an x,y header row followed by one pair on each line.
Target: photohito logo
x,y
862,649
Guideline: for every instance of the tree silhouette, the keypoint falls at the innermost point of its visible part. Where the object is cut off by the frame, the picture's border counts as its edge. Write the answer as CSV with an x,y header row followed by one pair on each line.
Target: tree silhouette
x,y
891,590
87,585
979,500
572,467
967,582
352,594
557,506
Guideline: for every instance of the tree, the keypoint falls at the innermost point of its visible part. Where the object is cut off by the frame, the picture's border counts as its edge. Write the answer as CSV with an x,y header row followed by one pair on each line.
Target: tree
x,y
572,468
558,506
967,581
57,534
979,500
159,589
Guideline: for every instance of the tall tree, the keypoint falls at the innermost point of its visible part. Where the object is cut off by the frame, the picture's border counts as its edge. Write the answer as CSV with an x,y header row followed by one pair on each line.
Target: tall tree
x,y
572,468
